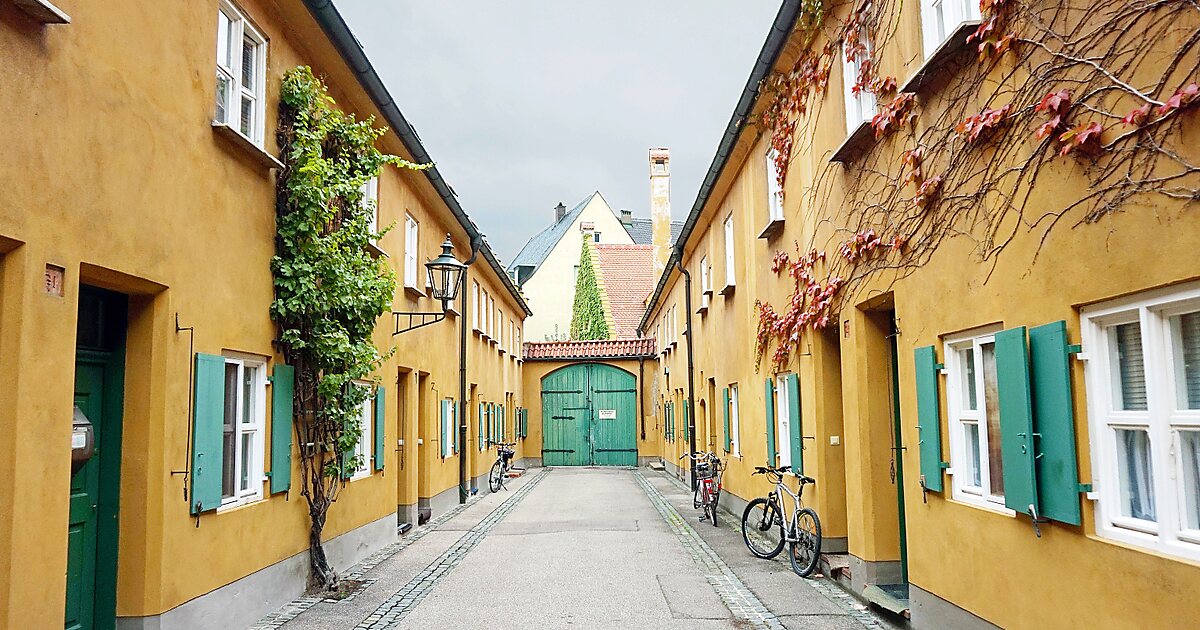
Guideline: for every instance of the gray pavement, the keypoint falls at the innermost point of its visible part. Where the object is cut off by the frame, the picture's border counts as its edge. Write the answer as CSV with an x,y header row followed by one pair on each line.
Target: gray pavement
x,y
578,548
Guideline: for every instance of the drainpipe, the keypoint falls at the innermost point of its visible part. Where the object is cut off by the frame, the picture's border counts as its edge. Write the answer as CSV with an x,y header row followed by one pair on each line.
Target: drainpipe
x,y
641,385
476,245
687,304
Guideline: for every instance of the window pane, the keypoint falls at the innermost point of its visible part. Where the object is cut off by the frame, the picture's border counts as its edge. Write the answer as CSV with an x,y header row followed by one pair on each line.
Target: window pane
x,y
246,123
1126,341
991,401
1190,446
249,394
224,88
229,446
247,447
974,469
249,59
971,397
1186,332
1136,476
224,50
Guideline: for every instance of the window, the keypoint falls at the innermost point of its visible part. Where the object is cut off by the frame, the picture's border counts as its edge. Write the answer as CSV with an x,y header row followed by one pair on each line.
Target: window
x,y
973,403
940,18
860,104
729,270
705,283
370,191
241,70
242,439
475,305
449,430
596,237
1143,385
735,423
410,251
774,192
362,448
783,421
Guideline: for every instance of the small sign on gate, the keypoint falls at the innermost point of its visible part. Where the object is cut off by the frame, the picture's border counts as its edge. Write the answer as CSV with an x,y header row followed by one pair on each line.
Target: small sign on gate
x,y
608,414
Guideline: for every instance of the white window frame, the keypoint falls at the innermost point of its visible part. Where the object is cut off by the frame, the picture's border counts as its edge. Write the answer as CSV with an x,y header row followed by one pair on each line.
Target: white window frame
x,y
240,28
860,108
783,422
475,305
730,270
735,422
363,448
959,416
412,240
257,427
705,282
451,431
774,192
370,191
940,18
1162,421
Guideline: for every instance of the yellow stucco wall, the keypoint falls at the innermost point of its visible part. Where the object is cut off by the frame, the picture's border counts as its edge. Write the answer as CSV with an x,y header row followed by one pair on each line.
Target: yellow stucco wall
x,y
123,183
983,561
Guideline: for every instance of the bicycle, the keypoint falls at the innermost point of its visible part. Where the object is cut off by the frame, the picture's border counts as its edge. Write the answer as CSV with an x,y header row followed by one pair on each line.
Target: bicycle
x,y
708,484
802,531
499,472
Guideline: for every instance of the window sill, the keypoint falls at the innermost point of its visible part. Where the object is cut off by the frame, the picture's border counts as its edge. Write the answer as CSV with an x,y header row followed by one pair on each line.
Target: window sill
x,y
855,144
948,49
375,251
413,291
248,148
981,504
43,11
703,310
708,292
245,502
728,290
773,228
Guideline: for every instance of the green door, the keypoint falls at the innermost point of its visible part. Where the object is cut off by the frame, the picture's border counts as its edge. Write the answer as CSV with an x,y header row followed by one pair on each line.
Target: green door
x,y
92,522
588,416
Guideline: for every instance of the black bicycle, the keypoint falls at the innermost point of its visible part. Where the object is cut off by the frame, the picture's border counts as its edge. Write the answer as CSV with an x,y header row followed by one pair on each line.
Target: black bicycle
x,y
765,516
708,484
499,472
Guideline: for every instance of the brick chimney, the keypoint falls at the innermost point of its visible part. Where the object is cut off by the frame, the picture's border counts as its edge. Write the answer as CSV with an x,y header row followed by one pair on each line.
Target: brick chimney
x,y
560,211
660,206
626,217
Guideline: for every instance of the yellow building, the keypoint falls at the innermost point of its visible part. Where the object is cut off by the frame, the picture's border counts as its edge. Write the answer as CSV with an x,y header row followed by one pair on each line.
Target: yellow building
x,y
990,331
136,231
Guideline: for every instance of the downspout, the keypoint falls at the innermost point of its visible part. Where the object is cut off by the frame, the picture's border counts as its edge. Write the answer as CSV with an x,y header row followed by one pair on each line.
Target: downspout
x,y
687,304
641,386
476,245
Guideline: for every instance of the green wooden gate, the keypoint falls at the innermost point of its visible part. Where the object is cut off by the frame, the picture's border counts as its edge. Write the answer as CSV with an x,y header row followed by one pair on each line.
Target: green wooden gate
x,y
589,416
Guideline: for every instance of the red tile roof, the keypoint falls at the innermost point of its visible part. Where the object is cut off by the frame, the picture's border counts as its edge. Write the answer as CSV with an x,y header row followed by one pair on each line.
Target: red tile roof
x,y
627,272
602,349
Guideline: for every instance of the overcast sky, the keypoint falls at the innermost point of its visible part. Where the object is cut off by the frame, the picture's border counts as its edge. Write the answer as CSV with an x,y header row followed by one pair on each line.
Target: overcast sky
x,y
525,103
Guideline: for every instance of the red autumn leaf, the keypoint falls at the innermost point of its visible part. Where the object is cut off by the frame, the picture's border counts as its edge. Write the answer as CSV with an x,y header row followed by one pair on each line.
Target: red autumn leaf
x,y
1137,116
1054,102
1049,127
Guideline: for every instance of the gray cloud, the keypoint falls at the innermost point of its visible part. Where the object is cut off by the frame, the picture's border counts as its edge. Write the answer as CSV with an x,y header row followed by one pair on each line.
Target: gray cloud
x,y
524,104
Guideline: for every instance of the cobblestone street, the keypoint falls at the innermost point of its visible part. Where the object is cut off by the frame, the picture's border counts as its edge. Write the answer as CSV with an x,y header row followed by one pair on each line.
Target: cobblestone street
x,y
578,548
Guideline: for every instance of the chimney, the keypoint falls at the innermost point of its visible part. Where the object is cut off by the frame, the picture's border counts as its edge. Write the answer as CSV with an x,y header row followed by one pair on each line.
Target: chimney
x,y
660,206
560,211
626,217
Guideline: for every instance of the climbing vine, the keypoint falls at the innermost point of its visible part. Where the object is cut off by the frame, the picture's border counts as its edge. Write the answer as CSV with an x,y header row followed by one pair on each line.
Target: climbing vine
x,y
329,291
1097,92
587,314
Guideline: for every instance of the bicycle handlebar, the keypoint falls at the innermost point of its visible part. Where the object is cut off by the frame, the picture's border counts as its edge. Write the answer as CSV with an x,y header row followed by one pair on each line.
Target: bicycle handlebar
x,y
781,470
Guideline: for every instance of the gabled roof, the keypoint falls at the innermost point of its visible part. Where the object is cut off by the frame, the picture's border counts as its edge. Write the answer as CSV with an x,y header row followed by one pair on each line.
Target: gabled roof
x,y
539,246
602,349
641,230
627,275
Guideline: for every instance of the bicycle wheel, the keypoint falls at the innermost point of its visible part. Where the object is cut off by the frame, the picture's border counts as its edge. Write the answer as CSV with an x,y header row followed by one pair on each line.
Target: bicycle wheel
x,y
713,498
762,527
697,501
805,553
496,477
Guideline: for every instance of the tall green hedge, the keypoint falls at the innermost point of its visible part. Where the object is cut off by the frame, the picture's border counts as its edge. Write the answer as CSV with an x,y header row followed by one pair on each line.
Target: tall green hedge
x,y
587,314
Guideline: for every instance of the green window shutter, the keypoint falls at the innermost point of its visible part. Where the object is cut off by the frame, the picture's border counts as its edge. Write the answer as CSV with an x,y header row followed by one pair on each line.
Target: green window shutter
x,y
929,427
1016,421
283,386
208,432
687,421
380,417
792,382
443,421
728,442
770,402
479,427
524,423
1054,421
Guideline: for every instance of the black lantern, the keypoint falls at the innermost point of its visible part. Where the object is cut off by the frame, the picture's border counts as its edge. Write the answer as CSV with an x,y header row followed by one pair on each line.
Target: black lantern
x,y
445,274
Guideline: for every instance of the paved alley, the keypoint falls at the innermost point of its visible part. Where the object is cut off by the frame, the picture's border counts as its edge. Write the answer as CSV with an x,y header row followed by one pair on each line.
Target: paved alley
x,y
577,548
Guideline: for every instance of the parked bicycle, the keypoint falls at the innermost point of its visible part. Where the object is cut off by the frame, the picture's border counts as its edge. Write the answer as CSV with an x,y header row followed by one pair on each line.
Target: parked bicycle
x,y
708,484
766,516
499,472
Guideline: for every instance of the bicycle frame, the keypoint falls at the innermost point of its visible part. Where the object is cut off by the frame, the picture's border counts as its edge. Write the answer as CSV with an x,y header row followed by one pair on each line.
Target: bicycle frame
x,y
790,524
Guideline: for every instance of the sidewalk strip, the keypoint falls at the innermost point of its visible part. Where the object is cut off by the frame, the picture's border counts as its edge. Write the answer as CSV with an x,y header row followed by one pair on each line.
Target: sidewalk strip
x,y
390,612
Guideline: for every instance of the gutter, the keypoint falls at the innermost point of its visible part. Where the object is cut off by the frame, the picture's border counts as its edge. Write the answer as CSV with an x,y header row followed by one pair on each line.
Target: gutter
x,y
347,45
777,38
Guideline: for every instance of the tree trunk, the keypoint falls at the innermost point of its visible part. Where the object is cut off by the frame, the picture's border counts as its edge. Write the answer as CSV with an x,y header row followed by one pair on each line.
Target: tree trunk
x,y
321,575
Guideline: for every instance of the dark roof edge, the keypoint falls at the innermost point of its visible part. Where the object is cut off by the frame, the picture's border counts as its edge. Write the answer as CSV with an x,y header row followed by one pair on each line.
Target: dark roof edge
x,y
781,30
347,45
